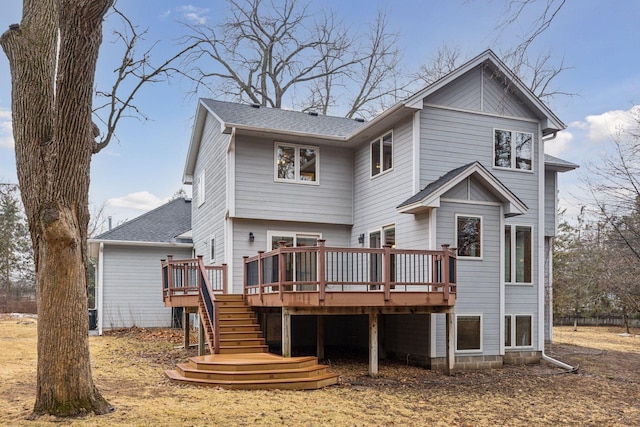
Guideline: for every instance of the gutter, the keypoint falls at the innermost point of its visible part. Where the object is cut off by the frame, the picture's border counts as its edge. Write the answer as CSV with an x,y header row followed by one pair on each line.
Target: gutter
x,y
568,368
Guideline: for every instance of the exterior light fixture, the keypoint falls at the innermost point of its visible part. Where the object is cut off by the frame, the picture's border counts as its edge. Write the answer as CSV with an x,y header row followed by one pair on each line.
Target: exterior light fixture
x,y
251,237
361,238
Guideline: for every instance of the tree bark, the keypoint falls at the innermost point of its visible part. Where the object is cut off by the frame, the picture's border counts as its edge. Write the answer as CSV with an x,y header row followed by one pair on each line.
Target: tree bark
x,y
52,124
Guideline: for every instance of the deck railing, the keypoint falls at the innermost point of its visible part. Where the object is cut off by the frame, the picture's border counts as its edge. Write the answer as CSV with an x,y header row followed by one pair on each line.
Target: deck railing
x,y
325,269
192,277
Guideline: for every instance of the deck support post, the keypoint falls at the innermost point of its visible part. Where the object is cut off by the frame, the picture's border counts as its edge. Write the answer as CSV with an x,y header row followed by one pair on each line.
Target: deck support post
x,y
373,345
286,332
451,355
201,338
185,327
320,337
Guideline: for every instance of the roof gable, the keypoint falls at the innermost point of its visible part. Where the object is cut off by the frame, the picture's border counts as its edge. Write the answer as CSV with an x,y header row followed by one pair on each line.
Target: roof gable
x,y
163,224
488,59
430,196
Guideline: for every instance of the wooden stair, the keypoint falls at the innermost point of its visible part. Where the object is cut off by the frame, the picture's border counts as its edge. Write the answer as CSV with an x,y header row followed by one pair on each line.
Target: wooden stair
x,y
254,371
243,362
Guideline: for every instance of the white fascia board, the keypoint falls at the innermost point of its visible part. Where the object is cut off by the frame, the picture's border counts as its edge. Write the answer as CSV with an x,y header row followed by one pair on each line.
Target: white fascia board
x,y
231,127
147,244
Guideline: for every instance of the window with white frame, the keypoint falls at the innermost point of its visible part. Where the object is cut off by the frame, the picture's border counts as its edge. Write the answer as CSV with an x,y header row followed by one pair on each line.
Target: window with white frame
x,y
513,150
469,236
298,266
212,249
296,163
517,331
518,254
382,154
200,189
469,333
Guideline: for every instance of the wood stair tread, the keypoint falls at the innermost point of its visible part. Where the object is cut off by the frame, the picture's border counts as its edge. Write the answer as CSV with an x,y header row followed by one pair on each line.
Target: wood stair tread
x,y
314,381
185,367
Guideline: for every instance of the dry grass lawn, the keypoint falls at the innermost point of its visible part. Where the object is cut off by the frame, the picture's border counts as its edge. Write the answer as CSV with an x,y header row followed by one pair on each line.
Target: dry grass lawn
x,y
128,369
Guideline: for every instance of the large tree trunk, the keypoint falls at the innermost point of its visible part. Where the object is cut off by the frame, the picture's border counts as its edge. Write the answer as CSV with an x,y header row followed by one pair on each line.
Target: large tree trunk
x,y
54,140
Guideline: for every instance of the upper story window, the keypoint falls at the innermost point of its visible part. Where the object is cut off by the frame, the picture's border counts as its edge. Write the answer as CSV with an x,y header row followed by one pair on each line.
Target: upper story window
x,y
382,154
469,236
296,163
513,150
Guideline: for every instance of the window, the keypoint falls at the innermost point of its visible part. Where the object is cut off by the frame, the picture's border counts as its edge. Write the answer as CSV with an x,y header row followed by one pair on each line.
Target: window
x,y
518,252
513,150
517,331
377,239
200,193
468,333
469,236
296,163
382,154
298,266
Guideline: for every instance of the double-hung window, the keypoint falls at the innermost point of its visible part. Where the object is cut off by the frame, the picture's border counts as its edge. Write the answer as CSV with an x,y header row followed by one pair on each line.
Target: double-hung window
x,y
382,154
513,150
200,189
517,331
296,163
518,251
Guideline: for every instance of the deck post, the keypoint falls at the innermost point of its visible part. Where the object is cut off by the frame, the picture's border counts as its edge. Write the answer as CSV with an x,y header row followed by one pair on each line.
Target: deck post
x,y
286,332
225,289
320,337
185,327
244,274
451,355
373,345
201,338
322,280
169,276
386,272
260,272
445,272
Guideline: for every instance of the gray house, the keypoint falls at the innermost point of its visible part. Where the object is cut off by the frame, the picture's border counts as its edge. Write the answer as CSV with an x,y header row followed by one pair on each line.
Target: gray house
x,y
459,163
127,261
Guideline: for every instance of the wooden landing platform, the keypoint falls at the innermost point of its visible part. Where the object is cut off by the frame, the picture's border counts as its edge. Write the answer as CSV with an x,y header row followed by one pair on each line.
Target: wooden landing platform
x,y
254,371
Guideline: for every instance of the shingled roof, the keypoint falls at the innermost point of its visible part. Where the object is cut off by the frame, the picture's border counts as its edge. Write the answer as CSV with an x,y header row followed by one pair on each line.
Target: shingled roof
x,y
275,119
163,224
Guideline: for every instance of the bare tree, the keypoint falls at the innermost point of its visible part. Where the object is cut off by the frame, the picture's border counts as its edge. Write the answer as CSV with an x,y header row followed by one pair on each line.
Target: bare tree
x,y
265,51
52,55
445,59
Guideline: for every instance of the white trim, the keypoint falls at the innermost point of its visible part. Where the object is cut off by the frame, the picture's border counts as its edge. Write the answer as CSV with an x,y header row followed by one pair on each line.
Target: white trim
x,y
482,89
514,345
296,147
479,113
512,267
455,236
230,160
381,139
100,288
513,159
380,230
416,152
540,279
481,333
472,202
228,254
212,248
134,243
502,296
294,234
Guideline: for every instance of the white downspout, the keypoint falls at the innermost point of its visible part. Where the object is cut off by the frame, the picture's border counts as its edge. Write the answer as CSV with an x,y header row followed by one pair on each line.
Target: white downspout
x,y
541,175
100,288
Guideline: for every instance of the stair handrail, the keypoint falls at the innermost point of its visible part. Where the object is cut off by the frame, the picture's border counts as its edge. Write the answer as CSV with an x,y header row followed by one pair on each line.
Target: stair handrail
x,y
211,305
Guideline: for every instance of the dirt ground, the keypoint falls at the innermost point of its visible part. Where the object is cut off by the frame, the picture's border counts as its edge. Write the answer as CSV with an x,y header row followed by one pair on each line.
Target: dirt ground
x,y
128,368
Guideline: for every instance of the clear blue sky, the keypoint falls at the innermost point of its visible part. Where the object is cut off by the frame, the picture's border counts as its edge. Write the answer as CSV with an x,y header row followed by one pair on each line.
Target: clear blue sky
x,y
140,170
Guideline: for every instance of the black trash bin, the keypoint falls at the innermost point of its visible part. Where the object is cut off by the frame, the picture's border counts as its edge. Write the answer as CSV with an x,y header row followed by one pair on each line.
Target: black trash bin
x,y
93,319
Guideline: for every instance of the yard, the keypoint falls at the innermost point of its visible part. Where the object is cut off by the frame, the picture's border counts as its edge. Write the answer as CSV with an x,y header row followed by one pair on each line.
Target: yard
x,y
128,368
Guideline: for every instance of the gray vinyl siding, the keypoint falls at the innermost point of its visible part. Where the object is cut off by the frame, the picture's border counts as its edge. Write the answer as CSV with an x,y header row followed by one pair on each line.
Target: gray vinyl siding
x,y
376,198
208,219
259,196
335,235
550,202
478,280
480,90
132,284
